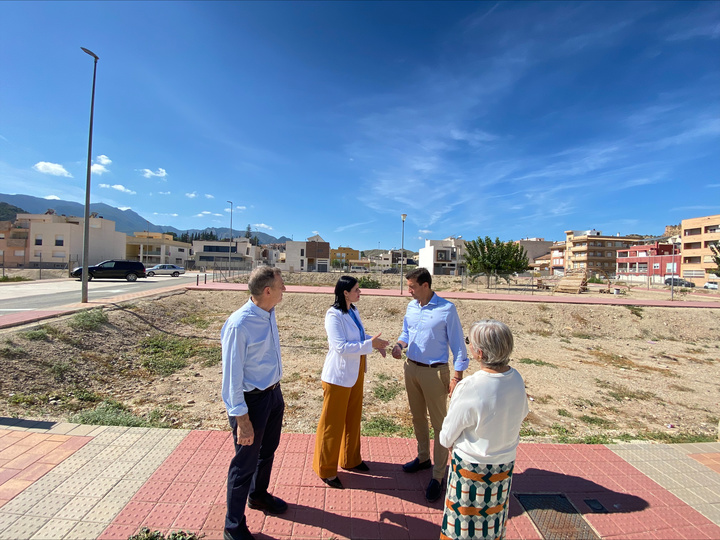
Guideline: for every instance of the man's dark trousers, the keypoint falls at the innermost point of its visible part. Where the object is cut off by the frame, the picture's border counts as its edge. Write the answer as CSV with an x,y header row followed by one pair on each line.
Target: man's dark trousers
x,y
250,469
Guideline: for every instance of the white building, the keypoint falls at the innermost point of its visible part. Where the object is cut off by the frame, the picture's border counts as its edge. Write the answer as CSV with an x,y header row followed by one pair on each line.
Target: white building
x,y
313,255
443,257
57,241
151,248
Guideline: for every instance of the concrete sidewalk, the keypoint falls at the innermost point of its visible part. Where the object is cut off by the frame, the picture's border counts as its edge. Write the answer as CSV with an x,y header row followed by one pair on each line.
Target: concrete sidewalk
x,y
75,481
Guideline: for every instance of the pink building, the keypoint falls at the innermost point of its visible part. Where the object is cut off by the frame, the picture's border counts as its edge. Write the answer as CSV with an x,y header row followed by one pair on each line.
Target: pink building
x,y
654,261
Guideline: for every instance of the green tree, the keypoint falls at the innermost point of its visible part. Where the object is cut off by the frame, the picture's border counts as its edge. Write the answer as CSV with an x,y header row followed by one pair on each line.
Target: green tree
x,y
336,263
499,258
715,248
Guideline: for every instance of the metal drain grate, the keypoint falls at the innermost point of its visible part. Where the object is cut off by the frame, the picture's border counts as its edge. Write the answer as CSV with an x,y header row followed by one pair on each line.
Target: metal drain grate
x,y
556,518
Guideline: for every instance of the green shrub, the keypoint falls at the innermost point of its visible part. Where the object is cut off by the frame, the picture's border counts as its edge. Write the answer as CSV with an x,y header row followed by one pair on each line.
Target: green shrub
x,y
147,534
164,355
386,392
59,369
366,282
38,334
89,320
383,426
4,279
114,413
536,362
10,350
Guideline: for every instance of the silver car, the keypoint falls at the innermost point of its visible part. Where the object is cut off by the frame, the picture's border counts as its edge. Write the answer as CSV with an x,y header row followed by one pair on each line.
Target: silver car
x,y
165,270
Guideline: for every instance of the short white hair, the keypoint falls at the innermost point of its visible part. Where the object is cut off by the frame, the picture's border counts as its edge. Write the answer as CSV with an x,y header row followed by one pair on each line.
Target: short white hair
x,y
494,339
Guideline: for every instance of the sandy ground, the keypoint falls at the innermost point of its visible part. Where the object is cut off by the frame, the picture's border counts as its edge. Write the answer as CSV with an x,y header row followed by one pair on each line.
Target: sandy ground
x,y
614,372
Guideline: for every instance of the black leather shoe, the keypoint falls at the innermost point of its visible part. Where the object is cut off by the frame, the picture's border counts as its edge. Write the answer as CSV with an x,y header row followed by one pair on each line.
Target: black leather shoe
x,y
359,468
268,504
333,482
415,465
433,491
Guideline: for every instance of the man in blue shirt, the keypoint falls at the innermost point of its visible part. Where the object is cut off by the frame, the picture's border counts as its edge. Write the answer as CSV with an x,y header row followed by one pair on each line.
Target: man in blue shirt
x,y
430,326
252,370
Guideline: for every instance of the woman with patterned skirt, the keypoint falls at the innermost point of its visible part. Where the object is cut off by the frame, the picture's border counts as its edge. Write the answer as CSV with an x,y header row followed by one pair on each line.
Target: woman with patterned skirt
x,y
482,429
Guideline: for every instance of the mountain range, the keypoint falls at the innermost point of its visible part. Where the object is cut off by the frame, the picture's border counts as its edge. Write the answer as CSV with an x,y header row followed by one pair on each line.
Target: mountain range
x,y
126,221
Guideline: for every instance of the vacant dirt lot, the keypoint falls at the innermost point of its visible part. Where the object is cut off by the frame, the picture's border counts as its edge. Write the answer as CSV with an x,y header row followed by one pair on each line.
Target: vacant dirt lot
x,y
592,372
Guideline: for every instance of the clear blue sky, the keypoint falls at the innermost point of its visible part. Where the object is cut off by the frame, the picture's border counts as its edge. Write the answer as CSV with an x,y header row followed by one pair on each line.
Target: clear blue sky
x,y
509,119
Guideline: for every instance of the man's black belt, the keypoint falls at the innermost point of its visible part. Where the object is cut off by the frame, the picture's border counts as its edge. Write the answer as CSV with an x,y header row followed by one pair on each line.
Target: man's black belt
x,y
268,389
435,365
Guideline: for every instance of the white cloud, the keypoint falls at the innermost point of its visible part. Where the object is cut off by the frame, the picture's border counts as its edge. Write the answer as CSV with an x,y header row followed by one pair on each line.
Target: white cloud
x,y
316,232
473,138
208,196
54,169
241,208
191,195
103,160
160,173
52,198
424,231
98,169
262,226
123,208
118,187
163,193
168,215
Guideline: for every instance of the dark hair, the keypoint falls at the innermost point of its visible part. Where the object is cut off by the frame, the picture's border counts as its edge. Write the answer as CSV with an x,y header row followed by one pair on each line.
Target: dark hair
x,y
345,283
420,275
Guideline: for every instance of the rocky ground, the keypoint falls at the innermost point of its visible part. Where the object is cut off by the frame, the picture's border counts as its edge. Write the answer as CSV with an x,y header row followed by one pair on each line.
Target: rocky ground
x,y
593,373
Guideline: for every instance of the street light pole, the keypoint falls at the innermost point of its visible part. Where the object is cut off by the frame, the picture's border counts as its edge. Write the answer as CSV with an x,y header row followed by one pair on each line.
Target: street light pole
x,y
86,224
402,252
231,235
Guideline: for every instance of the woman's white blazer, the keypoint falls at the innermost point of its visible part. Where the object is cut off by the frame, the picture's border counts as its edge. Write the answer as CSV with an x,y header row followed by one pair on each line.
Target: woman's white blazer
x,y
342,363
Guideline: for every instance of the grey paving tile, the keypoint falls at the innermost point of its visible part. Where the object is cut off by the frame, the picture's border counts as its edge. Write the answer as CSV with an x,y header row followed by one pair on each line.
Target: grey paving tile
x,y
129,438
118,469
97,431
141,471
22,502
81,430
49,505
710,511
133,454
54,529
111,452
125,488
7,519
99,487
690,496
86,531
77,508
24,527
48,482
62,428
74,484
106,509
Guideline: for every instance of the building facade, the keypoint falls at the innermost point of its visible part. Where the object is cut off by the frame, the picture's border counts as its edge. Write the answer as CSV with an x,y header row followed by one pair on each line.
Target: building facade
x,y
343,256
151,248
443,257
313,255
697,235
557,258
593,252
648,263
218,254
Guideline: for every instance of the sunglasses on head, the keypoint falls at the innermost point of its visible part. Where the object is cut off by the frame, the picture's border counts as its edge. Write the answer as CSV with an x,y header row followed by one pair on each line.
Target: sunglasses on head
x,y
467,340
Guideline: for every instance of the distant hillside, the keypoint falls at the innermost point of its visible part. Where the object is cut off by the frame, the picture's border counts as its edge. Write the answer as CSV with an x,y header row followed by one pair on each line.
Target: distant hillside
x,y
9,211
126,221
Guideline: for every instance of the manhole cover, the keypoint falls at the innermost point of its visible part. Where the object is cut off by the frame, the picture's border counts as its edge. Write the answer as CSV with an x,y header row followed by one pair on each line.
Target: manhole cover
x,y
556,518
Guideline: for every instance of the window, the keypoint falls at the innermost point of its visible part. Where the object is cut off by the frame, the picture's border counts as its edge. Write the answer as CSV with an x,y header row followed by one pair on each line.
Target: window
x,y
58,254
19,252
38,240
608,254
38,254
181,250
302,253
2,236
59,240
656,266
302,262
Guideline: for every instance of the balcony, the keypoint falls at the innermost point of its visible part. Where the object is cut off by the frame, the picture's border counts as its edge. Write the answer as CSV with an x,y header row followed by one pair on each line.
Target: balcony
x,y
16,242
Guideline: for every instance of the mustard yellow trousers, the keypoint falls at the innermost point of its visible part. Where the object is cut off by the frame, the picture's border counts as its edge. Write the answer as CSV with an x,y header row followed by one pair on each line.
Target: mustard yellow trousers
x,y
337,440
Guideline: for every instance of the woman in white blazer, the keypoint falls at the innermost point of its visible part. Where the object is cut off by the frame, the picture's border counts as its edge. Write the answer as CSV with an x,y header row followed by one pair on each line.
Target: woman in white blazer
x,y
338,433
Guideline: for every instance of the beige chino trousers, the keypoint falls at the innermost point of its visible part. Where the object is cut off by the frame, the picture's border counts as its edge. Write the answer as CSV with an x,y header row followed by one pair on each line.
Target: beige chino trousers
x,y
427,390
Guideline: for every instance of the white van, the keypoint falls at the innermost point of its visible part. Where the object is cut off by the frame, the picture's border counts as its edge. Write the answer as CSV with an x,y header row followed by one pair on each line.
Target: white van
x,y
711,285
361,269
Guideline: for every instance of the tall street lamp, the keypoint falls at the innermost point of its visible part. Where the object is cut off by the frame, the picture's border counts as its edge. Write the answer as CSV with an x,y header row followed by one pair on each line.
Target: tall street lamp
x,y
402,252
86,225
231,233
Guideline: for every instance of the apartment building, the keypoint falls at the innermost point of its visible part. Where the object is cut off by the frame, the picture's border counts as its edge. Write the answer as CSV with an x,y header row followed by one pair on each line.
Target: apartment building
x,y
594,252
219,254
557,258
697,235
13,245
56,241
313,255
443,257
151,248
343,255
650,262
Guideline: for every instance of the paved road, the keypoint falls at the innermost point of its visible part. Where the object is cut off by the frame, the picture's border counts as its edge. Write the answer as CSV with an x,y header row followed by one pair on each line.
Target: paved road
x,y
39,295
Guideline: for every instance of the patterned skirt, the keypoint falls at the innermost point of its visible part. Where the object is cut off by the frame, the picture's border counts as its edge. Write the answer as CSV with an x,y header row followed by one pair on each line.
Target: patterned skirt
x,y
477,502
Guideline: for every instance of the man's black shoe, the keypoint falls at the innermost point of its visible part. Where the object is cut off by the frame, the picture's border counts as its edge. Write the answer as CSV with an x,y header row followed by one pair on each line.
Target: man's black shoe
x,y
359,468
268,504
434,490
242,534
415,465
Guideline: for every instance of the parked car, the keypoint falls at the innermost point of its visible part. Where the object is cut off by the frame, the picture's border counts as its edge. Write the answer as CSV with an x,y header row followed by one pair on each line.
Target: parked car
x,y
678,282
711,285
165,270
391,271
361,269
130,270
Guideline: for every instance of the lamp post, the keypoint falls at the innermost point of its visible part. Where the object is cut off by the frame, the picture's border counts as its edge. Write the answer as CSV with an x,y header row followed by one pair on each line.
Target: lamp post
x,y
86,224
231,235
402,251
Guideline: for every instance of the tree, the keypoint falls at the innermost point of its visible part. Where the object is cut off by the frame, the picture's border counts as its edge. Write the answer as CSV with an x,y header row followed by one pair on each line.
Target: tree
x,y
248,232
715,248
500,258
336,263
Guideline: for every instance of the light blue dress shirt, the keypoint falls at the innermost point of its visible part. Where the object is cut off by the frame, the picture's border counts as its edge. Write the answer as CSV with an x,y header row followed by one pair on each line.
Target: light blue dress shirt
x,y
250,355
430,330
